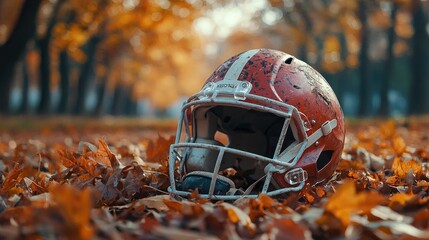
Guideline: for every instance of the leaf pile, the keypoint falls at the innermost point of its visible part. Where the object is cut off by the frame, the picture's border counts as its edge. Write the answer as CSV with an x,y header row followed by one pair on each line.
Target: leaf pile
x,y
63,184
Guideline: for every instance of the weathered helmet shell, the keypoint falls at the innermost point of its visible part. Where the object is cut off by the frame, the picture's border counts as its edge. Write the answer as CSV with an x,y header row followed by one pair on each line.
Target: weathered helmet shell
x,y
283,124
283,77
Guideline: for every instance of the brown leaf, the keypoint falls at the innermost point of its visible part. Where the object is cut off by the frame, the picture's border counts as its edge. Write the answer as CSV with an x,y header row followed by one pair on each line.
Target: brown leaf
x,y
175,233
287,229
68,159
112,158
158,151
109,190
421,219
156,202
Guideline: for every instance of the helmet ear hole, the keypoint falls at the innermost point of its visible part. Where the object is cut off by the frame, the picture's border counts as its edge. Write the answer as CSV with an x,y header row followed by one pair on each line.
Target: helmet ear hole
x,y
289,60
324,158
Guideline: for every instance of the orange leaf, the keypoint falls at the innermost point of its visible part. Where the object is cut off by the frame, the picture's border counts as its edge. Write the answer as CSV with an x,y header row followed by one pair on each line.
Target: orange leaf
x,y
399,145
400,198
402,168
236,215
320,191
173,205
388,129
11,179
75,207
307,194
266,201
232,216
346,202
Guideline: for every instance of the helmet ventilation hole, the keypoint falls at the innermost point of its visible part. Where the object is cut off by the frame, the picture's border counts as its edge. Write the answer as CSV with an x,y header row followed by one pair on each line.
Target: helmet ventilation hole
x,y
289,60
324,159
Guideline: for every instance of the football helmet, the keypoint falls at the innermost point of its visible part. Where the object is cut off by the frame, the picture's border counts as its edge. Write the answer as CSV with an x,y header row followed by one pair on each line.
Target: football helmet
x,y
264,122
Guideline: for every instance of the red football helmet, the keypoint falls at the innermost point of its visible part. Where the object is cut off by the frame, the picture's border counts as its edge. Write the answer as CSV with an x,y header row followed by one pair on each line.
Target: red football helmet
x,y
264,122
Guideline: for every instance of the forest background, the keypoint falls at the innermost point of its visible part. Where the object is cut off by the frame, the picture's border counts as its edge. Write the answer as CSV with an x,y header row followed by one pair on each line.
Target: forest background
x,y
141,58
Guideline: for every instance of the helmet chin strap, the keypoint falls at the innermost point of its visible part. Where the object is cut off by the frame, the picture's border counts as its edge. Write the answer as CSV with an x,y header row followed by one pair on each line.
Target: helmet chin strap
x,y
292,152
324,130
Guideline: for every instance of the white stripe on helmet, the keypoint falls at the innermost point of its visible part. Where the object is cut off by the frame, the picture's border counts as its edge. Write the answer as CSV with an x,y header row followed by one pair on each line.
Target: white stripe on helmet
x,y
236,68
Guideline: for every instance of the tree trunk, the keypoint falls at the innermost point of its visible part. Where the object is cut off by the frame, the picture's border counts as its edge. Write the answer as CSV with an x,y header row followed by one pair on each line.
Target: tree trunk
x,y
122,103
130,106
45,76
418,101
117,100
85,75
364,91
12,49
25,86
101,97
388,65
63,106
5,87
344,73
45,68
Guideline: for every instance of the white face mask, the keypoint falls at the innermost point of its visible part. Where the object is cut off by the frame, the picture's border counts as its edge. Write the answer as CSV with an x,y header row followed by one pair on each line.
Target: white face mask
x,y
258,142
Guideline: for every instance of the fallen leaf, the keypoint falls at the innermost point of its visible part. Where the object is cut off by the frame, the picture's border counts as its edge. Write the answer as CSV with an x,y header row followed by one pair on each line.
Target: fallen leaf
x,y
75,206
287,229
401,168
347,202
236,215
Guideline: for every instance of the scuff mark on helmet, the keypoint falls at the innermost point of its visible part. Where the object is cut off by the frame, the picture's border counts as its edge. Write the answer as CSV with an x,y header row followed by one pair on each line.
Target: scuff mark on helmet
x,y
256,83
324,98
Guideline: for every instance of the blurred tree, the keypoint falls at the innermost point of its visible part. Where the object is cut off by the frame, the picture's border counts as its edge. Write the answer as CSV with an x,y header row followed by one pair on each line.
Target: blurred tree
x,y
44,43
418,97
344,71
365,82
25,85
97,32
63,106
12,49
340,35
298,15
80,36
86,72
384,109
325,34
123,51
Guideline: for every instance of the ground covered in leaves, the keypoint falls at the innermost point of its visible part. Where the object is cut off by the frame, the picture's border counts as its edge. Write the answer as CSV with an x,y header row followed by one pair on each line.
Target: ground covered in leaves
x,y
107,181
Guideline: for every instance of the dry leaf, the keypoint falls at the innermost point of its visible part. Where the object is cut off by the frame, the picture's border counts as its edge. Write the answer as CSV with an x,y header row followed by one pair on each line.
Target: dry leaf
x,y
347,202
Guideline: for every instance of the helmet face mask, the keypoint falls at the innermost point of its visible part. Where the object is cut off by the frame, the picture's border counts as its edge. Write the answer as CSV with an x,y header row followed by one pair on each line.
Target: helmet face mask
x,y
233,142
